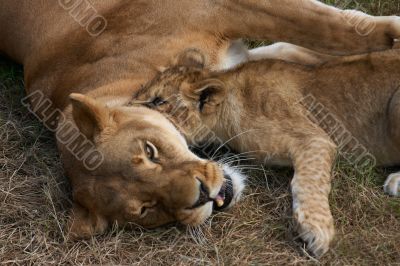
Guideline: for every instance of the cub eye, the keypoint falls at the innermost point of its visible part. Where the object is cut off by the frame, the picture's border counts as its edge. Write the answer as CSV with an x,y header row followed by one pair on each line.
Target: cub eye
x,y
158,101
204,98
151,151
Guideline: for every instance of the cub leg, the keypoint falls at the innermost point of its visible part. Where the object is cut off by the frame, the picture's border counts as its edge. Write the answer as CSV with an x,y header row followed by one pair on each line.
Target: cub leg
x,y
394,118
311,186
290,53
308,23
392,184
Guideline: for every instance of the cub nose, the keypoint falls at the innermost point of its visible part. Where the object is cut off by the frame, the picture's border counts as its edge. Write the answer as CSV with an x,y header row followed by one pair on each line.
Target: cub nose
x,y
204,195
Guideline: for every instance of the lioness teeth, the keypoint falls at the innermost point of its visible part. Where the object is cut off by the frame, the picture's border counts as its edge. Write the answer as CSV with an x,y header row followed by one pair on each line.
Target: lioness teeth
x,y
220,201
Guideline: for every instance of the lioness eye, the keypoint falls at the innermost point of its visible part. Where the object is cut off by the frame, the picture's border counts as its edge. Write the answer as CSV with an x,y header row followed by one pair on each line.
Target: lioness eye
x,y
151,151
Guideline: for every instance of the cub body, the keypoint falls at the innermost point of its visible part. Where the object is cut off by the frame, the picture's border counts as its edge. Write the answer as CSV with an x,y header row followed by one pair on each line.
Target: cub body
x,y
285,113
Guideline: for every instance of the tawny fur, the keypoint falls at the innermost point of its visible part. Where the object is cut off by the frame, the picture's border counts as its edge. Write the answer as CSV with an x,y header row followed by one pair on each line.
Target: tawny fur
x,y
60,58
264,108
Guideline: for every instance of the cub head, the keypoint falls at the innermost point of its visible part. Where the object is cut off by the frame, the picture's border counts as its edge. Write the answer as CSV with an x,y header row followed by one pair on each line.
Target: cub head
x,y
147,175
187,94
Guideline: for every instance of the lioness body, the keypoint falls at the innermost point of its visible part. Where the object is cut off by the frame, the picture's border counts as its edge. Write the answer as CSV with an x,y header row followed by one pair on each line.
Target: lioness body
x,y
60,57
285,113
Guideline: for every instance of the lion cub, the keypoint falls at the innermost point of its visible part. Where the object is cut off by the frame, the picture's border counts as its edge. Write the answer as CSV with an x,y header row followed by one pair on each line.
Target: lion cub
x,y
285,113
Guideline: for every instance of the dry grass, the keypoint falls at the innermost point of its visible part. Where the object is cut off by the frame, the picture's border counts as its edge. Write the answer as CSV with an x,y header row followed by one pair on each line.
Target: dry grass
x,y
34,198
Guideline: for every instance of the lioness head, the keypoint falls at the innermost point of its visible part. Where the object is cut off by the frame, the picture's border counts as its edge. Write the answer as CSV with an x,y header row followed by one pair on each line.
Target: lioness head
x,y
187,94
148,175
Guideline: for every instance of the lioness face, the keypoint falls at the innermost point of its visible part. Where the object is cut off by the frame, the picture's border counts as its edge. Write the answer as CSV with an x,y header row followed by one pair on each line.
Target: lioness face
x,y
148,176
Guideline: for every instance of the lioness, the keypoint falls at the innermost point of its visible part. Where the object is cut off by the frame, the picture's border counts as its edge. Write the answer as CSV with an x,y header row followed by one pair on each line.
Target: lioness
x,y
275,110
149,177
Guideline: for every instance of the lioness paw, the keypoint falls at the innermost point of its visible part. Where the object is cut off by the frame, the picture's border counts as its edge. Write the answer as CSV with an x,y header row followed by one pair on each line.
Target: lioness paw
x,y
392,185
317,233
396,27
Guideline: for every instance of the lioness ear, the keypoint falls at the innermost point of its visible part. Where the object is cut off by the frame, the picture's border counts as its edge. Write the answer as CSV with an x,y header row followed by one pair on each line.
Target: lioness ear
x,y
207,93
90,116
82,224
191,58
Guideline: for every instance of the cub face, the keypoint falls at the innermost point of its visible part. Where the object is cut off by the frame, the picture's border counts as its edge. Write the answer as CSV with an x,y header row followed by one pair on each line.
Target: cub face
x,y
188,95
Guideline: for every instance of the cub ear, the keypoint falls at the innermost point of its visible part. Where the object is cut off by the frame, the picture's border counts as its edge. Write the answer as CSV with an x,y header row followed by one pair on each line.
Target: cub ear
x,y
207,93
82,224
90,116
192,58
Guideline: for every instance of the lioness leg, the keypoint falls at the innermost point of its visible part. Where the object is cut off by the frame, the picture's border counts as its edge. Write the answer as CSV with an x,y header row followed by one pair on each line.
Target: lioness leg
x,y
290,53
311,186
307,23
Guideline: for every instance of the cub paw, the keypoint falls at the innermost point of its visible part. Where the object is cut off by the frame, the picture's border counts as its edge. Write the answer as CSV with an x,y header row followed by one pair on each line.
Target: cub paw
x,y
317,232
392,185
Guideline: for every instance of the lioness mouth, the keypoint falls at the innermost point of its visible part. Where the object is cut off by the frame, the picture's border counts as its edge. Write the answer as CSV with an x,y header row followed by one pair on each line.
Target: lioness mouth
x,y
225,195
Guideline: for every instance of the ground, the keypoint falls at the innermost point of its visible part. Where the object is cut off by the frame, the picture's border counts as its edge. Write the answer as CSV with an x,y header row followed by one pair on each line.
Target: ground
x,y
35,197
